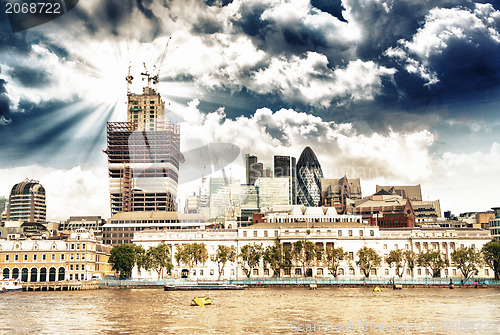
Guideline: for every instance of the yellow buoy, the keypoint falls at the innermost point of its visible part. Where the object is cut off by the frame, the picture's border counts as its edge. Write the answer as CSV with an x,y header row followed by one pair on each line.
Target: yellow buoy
x,y
201,301
377,289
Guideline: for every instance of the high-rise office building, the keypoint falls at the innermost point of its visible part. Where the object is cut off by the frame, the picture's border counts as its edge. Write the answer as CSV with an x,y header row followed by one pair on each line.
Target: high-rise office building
x,y
254,169
143,156
286,167
27,202
309,175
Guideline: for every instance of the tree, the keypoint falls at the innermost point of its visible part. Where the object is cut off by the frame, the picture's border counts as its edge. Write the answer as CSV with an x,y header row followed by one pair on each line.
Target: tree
x,y
411,259
277,258
333,257
250,255
491,256
432,260
396,260
191,255
304,252
158,259
368,258
467,260
124,258
224,254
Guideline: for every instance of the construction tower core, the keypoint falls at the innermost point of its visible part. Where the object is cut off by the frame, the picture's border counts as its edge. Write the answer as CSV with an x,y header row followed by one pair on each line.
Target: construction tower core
x,y
143,156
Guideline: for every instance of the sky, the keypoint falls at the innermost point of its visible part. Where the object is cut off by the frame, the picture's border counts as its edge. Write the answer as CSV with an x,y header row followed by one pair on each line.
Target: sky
x,y
393,92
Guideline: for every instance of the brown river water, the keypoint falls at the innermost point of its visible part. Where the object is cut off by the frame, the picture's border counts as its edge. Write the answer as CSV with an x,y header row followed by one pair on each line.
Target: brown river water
x,y
254,311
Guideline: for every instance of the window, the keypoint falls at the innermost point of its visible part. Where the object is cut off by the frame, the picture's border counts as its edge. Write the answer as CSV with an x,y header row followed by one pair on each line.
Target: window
x,y
266,272
44,257
16,258
78,246
486,272
408,272
71,275
25,258
201,272
373,272
83,267
351,256
446,272
386,272
319,272
254,233
372,233
286,272
244,233
6,258
454,272
385,246
232,272
62,257
351,271
34,257
255,272
396,246
76,267
419,272
361,233
53,257
298,271
350,232
265,233
82,276
275,233
211,272
71,267
339,233
72,246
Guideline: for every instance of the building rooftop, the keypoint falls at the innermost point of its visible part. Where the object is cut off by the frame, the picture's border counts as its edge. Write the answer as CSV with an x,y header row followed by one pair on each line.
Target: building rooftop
x,y
311,225
157,215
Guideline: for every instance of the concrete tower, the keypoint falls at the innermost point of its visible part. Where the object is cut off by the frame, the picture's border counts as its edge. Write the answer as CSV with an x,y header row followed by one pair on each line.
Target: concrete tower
x,y
143,156
27,202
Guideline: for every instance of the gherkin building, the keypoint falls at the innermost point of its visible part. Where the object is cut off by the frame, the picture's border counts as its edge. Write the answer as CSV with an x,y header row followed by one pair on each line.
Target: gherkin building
x,y
309,176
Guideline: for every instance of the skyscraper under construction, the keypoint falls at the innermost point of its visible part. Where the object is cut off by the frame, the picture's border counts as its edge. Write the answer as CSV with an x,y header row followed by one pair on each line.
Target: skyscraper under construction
x,y
143,156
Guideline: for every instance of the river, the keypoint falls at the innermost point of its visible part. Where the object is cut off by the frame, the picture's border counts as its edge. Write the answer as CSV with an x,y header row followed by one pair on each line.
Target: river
x,y
254,311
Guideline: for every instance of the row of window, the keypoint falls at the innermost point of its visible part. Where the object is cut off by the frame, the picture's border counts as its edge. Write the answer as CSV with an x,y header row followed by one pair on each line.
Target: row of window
x,y
318,231
44,257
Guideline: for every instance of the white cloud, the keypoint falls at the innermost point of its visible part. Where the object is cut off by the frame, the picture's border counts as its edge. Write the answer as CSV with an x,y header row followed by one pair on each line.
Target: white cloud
x,y
310,80
441,26
69,192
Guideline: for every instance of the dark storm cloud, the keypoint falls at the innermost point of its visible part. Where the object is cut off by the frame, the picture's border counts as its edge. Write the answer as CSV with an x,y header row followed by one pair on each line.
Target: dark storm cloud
x,y
206,25
220,3
30,77
333,7
111,15
4,104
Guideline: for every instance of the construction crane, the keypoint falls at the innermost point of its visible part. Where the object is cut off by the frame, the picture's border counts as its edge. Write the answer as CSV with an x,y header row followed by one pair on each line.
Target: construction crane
x,y
146,74
157,67
129,78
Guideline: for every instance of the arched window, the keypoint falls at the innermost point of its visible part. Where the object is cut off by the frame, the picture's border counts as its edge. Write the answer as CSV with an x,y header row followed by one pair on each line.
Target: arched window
x,y
24,275
52,274
6,273
15,273
35,246
34,275
62,272
43,274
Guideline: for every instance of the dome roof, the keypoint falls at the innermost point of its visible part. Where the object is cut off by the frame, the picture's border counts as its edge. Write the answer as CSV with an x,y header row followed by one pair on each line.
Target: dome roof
x,y
308,159
27,187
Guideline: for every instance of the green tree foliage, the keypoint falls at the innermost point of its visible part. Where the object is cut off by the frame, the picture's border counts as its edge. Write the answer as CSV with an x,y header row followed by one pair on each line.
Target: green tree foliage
x,y
433,261
191,255
158,259
491,256
368,258
333,257
124,257
250,255
304,252
396,259
410,259
277,258
224,254
467,261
